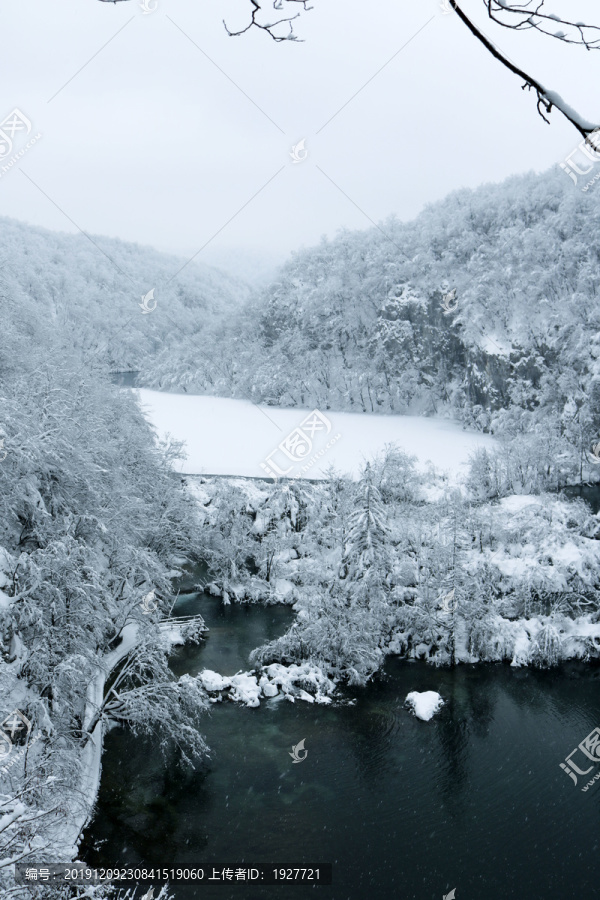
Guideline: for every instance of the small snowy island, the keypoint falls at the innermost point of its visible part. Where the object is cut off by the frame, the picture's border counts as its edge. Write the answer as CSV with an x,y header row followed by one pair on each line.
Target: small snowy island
x,y
424,704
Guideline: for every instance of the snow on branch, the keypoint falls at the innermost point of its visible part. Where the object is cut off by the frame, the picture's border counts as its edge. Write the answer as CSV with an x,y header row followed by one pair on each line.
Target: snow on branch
x,y
547,99
532,14
526,15
20,817
169,709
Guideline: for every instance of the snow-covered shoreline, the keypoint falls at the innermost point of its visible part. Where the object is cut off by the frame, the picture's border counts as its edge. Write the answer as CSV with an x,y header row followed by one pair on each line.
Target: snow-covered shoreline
x,y
520,589
68,840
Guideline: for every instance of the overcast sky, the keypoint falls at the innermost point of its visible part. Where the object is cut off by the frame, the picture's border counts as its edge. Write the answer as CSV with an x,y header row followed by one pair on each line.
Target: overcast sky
x,y
159,128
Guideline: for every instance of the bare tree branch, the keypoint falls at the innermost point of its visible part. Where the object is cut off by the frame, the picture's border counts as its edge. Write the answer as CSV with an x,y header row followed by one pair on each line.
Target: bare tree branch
x,y
531,14
546,99
518,16
269,27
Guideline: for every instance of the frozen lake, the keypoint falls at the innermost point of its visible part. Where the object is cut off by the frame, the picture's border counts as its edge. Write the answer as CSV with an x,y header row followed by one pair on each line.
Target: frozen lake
x,y
234,437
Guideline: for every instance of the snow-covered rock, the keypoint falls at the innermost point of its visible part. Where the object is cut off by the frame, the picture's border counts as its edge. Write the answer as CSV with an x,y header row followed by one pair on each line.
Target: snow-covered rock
x,y
424,704
212,681
296,681
304,695
245,689
267,687
305,682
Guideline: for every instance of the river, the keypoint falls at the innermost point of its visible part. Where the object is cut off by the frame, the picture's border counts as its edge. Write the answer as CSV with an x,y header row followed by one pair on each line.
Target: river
x,y
475,799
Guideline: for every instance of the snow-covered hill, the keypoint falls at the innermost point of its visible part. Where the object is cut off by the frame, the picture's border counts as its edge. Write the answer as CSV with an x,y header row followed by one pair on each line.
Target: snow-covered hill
x,y
485,308
91,289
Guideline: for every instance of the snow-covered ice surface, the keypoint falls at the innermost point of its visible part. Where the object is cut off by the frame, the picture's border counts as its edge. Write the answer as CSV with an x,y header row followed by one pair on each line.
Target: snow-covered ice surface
x,y
232,437
424,704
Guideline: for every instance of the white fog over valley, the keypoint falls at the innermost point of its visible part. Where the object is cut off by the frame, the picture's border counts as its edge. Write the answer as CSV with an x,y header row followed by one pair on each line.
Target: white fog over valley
x,y
299,450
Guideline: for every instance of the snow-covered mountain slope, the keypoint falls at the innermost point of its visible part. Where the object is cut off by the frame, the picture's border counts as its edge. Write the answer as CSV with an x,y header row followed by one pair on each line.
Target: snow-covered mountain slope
x,y
92,289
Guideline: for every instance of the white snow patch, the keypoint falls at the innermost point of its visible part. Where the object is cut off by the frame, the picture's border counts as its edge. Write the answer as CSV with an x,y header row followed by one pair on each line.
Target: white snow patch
x,y
424,704
268,689
7,565
17,649
274,681
522,647
555,98
283,587
173,635
494,346
518,502
289,679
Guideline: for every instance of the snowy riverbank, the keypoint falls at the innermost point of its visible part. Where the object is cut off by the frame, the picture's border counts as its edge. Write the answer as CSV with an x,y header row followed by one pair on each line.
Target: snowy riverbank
x,y
79,796
84,798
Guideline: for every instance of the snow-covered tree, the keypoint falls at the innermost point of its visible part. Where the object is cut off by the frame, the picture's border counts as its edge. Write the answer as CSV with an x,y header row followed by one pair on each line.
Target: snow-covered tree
x,y
145,695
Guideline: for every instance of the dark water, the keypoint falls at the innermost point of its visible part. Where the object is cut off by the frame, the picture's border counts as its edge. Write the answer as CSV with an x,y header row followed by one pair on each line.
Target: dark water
x,y
124,379
588,492
130,380
474,799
